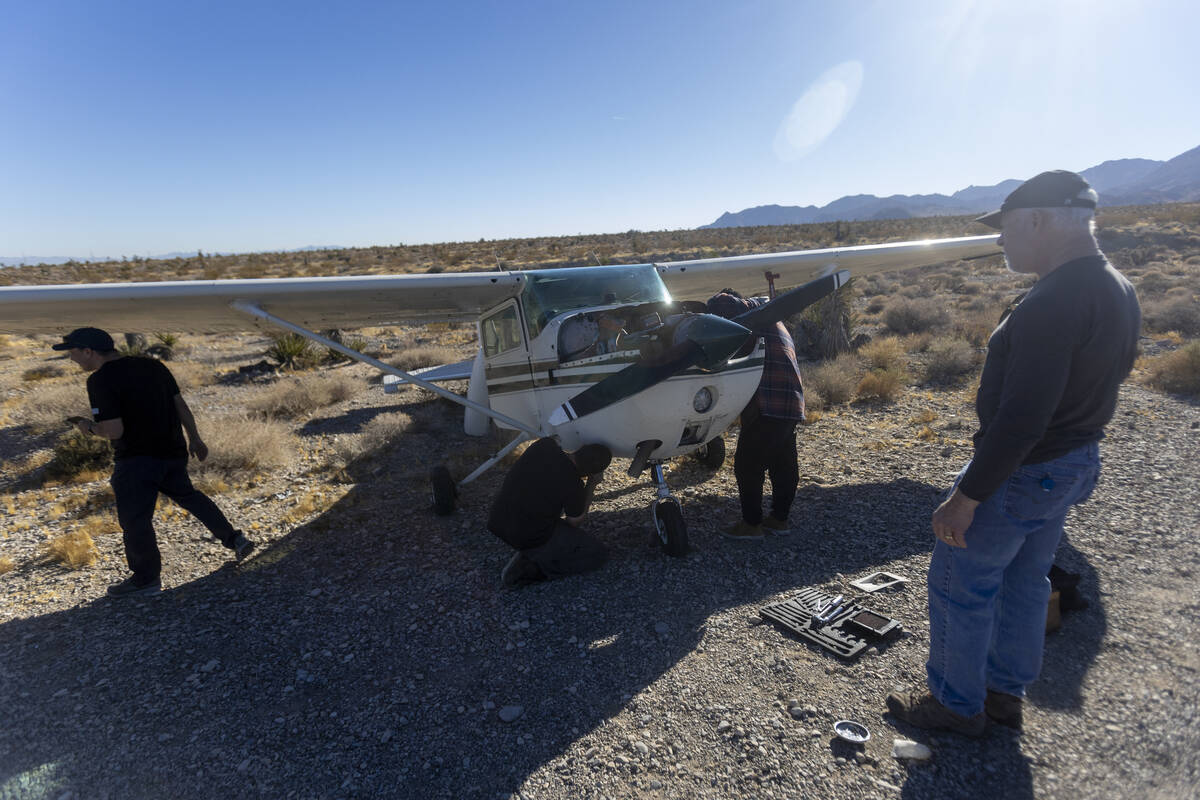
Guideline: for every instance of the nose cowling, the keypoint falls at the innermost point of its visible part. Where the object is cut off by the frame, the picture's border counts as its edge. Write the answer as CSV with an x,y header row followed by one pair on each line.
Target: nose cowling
x,y
716,337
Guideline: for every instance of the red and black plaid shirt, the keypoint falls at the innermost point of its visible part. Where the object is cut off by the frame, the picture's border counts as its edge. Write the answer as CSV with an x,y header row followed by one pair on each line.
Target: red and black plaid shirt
x,y
780,393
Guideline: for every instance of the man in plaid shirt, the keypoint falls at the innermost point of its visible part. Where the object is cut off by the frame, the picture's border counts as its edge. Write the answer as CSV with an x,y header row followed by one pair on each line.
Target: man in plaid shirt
x,y
767,442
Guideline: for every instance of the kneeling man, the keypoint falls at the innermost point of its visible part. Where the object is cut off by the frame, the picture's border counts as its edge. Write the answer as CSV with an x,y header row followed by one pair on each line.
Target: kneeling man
x,y
542,486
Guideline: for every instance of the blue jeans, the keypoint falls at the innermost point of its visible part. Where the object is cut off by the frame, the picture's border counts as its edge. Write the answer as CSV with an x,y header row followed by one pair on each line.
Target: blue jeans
x,y
987,601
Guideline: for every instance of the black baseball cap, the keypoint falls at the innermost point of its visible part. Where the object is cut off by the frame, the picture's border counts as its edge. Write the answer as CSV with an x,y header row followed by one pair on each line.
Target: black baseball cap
x,y
1055,189
92,338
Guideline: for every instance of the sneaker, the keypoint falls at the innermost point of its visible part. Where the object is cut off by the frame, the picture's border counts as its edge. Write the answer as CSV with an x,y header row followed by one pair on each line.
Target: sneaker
x,y
130,587
1004,709
922,710
521,571
242,547
743,531
778,527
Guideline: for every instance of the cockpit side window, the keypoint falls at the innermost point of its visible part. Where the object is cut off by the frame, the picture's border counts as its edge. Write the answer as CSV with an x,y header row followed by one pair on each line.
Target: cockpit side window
x,y
501,331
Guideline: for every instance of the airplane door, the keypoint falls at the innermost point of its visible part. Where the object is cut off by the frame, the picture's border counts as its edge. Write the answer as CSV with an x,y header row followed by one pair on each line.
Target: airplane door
x,y
508,368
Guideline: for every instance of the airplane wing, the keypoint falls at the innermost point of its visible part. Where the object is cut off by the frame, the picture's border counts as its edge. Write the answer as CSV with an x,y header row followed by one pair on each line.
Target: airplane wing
x,y
206,306
704,277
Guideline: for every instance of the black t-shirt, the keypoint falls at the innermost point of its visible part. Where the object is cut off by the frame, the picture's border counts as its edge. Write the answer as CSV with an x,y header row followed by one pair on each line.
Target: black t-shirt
x,y
538,490
1053,369
141,392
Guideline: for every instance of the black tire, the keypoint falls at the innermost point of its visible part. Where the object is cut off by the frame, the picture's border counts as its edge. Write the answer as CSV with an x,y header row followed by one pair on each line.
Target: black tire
x,y
445,492
671,530
712,455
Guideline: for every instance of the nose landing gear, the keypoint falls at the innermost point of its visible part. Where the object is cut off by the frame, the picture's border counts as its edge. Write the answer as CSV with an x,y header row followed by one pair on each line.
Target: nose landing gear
x,y
667,516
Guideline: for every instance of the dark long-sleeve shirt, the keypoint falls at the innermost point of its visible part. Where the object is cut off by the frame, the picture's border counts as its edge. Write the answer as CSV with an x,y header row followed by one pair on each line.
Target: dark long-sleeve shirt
x,y
1053,369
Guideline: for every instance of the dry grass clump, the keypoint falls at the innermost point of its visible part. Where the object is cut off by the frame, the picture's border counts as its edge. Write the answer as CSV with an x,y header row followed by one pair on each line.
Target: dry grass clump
x,y
42,372
48,408
917,315
885,354
949,360
240,444
296,397
373,437
1177,372
7,564
833,381
977,326
883,385
75,549
424,356
1176,313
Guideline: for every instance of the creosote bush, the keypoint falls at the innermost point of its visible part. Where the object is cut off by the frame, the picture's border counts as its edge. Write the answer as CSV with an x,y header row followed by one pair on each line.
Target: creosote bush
x,y
1173,314
76,454
918,315
834,381
296,397
949,360
1177,372
237,445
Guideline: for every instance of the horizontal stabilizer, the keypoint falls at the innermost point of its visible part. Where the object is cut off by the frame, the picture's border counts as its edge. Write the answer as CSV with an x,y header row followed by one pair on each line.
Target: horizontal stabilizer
x,y
458,371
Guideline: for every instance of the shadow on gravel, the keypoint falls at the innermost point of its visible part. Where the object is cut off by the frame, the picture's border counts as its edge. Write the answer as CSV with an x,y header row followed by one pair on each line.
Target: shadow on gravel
x,y
1067,658
370,653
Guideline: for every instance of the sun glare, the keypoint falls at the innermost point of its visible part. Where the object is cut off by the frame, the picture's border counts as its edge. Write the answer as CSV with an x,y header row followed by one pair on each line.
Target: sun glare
x,y
819,111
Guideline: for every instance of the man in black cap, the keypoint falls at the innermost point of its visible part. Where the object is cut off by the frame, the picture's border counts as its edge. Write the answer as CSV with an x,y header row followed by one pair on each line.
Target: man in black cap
x,y
1048,388
136,404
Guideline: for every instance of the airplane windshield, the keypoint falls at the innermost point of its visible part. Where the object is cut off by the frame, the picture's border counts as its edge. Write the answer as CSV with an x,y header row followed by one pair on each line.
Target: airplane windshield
x,y
549,292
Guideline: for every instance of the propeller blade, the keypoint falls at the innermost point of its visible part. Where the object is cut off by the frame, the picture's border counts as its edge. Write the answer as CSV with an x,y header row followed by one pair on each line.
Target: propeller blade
x,y
701,340
792,302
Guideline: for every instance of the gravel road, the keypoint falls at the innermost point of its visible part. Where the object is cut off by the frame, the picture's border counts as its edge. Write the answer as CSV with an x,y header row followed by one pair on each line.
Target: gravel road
x,y
373,653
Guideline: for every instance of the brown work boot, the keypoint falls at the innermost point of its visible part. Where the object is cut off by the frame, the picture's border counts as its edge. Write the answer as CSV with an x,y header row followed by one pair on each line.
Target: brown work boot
x,y
743,531
922,710
1004,709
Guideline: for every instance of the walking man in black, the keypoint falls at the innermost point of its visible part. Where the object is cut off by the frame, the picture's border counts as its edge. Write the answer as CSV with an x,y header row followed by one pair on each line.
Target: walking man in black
x,y
136,404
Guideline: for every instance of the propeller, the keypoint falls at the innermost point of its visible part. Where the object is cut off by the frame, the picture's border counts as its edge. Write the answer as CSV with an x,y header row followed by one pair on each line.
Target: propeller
x,y
697,340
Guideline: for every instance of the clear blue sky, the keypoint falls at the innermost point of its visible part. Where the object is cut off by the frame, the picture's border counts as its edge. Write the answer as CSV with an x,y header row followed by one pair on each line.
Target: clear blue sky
x,y
139,128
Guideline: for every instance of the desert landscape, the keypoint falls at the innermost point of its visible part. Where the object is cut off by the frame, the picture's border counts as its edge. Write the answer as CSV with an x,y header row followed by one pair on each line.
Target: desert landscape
x,y
368,648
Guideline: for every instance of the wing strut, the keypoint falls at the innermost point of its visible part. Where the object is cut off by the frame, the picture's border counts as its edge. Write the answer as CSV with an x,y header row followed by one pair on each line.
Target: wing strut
x,y
255,311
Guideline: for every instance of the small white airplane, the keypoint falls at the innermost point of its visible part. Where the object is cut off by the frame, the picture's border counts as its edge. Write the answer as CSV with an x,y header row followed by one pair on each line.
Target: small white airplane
x,y
602,354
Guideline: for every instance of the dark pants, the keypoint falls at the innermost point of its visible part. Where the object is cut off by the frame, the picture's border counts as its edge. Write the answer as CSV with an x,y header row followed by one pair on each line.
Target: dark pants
x,y
136,483
568,551
766,446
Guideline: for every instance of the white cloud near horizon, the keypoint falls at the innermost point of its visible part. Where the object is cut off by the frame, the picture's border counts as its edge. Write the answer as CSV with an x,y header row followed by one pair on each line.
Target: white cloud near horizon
x,y
819,111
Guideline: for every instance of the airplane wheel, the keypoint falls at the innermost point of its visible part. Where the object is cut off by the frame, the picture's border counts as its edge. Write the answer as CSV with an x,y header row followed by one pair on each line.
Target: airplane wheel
x,y
672,532
712,455
445,493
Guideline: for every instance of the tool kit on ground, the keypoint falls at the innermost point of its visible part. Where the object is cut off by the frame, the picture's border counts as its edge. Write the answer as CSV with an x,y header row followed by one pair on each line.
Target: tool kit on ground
x,y
842,626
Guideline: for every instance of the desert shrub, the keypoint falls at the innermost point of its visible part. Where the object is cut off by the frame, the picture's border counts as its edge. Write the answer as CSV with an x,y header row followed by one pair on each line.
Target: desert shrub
x,y
293,351
949,359
424,356
886,353
374,436
881,384
977,327
1173,314
297,397
1177,372
876,304
355,343
75,550
41,373
835,380
76,454
905,316
241,444
970,288
1153,281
